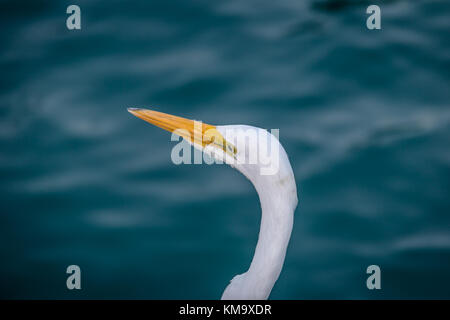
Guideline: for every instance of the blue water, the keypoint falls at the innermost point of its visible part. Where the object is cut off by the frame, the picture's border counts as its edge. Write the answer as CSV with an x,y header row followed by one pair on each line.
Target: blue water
x,y
364,116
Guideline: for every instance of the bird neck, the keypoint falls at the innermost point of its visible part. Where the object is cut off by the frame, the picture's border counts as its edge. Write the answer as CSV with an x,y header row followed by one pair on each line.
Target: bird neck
x,y
275,232
273,239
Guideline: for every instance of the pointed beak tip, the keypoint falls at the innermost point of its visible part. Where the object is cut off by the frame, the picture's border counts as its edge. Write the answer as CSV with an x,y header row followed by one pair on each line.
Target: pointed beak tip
x,y
132,109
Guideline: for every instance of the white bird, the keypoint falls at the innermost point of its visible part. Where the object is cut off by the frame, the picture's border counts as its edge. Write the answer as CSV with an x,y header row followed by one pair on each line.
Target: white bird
x,y
277,191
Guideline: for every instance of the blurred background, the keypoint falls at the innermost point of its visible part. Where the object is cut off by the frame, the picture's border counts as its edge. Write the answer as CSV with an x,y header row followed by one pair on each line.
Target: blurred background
x,y
364,116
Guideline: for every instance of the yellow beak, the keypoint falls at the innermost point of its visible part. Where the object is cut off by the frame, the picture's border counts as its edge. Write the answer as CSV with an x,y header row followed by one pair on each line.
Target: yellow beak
x,y
195,132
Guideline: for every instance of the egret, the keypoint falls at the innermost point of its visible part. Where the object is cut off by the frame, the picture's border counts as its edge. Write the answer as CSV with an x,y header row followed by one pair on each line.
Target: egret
x,y
277,192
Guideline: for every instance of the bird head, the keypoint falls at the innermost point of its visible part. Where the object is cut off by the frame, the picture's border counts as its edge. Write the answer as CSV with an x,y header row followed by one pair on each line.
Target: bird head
x,y
253,151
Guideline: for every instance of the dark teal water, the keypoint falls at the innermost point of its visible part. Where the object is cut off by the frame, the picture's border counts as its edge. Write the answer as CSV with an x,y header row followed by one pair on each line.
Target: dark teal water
x,y
364,116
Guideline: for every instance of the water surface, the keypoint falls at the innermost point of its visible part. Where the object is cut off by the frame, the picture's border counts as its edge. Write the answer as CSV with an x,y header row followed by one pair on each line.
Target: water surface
x,y
364,116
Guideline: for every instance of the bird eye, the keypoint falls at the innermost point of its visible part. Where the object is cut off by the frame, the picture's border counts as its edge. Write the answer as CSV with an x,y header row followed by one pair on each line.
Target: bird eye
x,y
231,148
